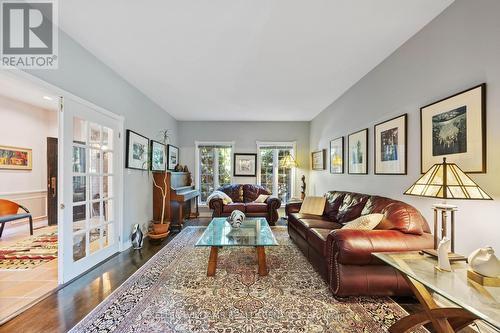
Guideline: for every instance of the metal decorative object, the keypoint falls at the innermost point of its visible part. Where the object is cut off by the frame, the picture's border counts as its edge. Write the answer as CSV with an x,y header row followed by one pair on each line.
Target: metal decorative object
x,y
236,219
137,237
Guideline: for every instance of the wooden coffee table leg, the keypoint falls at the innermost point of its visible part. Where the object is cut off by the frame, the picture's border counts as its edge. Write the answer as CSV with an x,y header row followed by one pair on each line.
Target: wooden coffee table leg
x,y
261,256
212,261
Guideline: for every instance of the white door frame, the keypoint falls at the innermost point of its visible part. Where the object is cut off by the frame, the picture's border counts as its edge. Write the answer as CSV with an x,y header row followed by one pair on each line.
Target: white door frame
x,y
55,90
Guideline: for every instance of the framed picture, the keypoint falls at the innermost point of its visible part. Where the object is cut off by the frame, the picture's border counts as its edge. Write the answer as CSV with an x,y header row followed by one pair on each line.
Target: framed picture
x,y
337,155
137,151
455,128
245,165
15,158
158,156
357,144
172,157
318,159
390,146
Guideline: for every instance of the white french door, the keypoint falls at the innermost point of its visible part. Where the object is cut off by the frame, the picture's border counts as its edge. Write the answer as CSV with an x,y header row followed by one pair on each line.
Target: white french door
x,y
91,152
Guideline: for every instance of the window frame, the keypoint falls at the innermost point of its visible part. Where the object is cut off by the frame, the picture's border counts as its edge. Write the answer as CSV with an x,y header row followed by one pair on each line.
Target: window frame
x,y
216,170
264,144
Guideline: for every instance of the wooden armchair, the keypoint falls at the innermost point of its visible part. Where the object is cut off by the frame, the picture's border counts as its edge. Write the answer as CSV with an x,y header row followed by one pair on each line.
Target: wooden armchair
x,y
9,212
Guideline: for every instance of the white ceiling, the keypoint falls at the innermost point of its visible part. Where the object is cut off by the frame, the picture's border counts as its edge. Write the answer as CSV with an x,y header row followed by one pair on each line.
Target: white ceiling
x,y
27,92
244,59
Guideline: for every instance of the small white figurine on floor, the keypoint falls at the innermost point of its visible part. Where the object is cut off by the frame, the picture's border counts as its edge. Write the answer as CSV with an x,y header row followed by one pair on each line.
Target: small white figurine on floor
x,y
137,237
443,250
485,262
236,219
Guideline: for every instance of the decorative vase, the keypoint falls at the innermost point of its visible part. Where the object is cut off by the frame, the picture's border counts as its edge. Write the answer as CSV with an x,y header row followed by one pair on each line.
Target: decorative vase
x,y
485,262
236,219
137,237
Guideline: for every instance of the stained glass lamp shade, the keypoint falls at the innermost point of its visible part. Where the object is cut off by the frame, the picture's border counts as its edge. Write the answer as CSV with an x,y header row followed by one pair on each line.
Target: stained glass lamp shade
x,y
447,181
288,162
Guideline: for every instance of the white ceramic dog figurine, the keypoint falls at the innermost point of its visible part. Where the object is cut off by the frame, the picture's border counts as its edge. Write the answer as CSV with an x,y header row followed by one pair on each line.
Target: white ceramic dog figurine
x,y
236,219
443,250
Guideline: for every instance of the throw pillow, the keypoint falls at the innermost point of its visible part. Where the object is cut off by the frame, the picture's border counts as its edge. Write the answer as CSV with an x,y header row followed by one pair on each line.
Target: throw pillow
x,y
313,205
364,222
261,198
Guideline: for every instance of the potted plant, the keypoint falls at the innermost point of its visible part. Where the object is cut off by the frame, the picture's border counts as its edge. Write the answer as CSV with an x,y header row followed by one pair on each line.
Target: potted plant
x,y
160,228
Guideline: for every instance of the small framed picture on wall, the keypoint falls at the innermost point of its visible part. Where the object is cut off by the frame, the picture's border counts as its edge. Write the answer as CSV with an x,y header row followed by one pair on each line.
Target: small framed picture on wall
x,y
390,146
245,165
318,160
455,128
357,144
172,157
137,151
158,156
337,155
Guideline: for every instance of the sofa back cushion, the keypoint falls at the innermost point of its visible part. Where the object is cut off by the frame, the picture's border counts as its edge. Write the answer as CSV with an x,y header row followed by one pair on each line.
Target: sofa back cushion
x,y
234,191
351,207
397,215
252,192
333,201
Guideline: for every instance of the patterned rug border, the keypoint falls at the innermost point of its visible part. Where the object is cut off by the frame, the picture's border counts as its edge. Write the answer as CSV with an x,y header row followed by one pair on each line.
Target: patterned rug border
x,y
177,239
184,236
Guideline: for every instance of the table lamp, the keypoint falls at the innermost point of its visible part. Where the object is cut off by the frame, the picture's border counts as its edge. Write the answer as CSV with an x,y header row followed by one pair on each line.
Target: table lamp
x,y
446,181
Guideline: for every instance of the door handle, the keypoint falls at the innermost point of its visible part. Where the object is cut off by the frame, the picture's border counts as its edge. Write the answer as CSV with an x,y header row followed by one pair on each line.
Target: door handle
x,y
53,185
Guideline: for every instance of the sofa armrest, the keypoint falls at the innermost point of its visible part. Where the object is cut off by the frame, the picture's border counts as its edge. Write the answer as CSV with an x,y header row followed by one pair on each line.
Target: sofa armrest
x,y
293,207
273,202
355,247
217,206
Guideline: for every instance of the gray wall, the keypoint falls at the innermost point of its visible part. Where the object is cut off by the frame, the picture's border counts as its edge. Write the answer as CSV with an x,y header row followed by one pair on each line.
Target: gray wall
x,y
245,135
459,49
83,75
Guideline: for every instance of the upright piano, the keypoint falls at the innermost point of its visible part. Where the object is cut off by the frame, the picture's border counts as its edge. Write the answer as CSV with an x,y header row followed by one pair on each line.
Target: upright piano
x,y
179,198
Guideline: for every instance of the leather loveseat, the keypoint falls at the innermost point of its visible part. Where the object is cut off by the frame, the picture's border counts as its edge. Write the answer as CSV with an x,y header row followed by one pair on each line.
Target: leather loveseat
x,y
344,257
243,197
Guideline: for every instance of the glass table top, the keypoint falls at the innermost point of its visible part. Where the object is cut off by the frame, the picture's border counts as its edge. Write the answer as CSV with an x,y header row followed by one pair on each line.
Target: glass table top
x,y
253,232
484,302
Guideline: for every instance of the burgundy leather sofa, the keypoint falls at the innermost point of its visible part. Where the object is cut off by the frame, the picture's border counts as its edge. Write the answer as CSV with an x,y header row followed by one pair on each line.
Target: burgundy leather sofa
x,y
344,257
243,197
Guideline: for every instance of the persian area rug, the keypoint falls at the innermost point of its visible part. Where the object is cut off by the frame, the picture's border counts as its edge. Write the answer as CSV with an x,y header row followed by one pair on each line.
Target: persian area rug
x,y
172,293
29,253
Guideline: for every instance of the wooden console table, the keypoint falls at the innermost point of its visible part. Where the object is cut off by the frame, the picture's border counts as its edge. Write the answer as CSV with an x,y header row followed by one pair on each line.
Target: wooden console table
x,y
474,301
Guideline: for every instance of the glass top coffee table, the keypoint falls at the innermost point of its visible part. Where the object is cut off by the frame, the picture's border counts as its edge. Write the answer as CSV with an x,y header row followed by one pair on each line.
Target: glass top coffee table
x,y
474,300
253,232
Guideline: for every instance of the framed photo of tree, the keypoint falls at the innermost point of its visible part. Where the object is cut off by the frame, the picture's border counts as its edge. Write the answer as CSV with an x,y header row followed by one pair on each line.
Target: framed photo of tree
x,y
358,152
390,146
172,157
337,155
158,156
455,128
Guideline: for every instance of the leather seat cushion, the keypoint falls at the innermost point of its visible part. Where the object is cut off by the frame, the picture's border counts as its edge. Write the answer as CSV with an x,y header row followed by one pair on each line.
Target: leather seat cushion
x,y
254,207
316,237
233,206
303,225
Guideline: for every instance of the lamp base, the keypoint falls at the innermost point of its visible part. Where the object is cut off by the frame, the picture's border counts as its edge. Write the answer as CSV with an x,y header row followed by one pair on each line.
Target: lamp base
x,y
451,256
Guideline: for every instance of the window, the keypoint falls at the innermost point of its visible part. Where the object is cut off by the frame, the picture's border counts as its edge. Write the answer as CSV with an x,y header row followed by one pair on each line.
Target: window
x,y
277,179
213,167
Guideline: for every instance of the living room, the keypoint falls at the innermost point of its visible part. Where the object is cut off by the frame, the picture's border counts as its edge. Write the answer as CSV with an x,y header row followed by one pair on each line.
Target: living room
x,y
320,166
